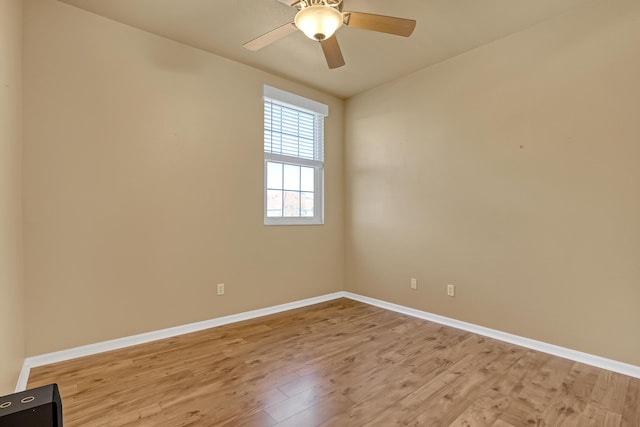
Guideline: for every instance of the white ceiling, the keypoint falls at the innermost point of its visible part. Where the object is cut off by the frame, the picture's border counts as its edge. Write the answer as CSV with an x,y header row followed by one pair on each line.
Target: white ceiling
x,y
445,28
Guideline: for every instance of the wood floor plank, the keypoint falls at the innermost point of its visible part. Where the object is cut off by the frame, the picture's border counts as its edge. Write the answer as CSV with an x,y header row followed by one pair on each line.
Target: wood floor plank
x,y
337,364
258,419
318,413
572,397
484,412
610,391
607,401
487,409
471,388
528,405
631,413
413,405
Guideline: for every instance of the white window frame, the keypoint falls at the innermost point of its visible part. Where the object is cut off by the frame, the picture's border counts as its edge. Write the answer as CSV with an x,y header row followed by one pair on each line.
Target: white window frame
x,y
304,104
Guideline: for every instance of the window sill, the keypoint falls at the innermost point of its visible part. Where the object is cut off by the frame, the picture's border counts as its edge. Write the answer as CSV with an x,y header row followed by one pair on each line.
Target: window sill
x,y
292,221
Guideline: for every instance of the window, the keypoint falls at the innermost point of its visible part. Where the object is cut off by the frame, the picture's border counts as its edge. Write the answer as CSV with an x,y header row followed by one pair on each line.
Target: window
x,y
293,158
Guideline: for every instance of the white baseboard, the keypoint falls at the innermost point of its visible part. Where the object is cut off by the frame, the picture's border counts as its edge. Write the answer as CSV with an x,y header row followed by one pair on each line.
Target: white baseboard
x,y
87,350
577,356
23,379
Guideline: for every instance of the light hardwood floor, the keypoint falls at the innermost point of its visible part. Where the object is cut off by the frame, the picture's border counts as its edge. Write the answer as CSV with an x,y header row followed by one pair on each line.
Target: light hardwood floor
x,y
340,363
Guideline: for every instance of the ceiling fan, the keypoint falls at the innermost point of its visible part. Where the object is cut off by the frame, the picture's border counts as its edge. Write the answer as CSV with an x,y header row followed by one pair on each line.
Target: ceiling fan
x,y
320,19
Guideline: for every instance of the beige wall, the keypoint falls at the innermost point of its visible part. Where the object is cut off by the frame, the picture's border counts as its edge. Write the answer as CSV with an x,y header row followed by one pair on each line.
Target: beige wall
x,y
511,172
12,347
143,185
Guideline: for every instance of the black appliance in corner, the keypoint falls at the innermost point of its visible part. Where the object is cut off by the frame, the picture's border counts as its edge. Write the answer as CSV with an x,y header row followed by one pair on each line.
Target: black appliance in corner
x,y
38,407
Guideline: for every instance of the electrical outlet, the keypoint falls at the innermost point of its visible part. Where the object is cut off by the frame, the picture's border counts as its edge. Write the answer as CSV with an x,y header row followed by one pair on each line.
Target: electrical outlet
x,y
220,288
451,290
414,283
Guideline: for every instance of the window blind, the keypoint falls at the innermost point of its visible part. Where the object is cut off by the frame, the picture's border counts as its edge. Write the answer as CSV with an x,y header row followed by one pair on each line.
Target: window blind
x,y
293,132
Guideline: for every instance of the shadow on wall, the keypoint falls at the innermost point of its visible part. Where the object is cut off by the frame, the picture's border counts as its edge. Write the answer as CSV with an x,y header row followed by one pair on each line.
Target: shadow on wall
x,y
174,57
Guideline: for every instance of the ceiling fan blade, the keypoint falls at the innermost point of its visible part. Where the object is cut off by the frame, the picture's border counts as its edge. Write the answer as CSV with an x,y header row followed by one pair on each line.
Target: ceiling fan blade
x,y
381,23
291,3
332,52
270,37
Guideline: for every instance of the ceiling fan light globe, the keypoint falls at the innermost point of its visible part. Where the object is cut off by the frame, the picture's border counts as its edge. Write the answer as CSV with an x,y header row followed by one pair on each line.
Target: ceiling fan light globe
x,y
319,22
